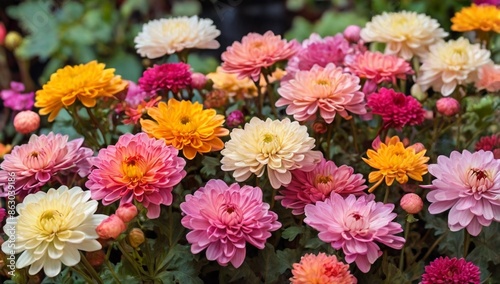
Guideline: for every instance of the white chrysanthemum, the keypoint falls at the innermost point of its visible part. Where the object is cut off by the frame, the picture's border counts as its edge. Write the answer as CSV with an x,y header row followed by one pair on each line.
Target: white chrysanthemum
x,y
405,33
279,146
451,63
51,227
168,36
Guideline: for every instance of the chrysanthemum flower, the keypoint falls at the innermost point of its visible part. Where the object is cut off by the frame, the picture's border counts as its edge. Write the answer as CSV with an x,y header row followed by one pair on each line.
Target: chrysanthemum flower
x,y
246,59
15,99
446,270
355,226
405,33
325,89
379,68
137,168
321,269
394,161
223,218
134,114
169,76
52,227
168,36
451,63
278,145
232,84
4,149
136,95
469,184
483,18
85,83
42,158
319,184
186,126
397,109
487,143
488,78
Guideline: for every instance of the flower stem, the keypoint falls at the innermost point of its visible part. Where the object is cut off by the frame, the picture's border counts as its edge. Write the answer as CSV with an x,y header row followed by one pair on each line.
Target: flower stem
x,y
402,255
82,273
270,92
140,272
386,196
98,125
466,242
171,226
90,269
328,140
110,267
354,135
436,242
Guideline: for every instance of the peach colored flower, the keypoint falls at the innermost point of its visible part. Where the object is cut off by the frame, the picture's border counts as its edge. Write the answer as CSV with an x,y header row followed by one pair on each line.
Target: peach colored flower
x,y
380,68
321,269
489,78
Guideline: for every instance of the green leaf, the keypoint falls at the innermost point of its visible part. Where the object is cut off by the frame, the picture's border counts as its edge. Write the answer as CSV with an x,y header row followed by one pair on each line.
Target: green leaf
x,y
70,11
180,267
127,65
210,166
291,233
334,22
301,29
123,276
287,258
486,245
269,264
186,8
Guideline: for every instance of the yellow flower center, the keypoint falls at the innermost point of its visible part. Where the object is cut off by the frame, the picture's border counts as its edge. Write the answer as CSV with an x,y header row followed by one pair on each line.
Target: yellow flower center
x,y
323,179
51,221
323,82
34,154
185,120
133,168
268,137
257,44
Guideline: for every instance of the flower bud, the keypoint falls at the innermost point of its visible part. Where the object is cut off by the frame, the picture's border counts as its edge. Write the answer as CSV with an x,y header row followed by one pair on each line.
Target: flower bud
x,y
448,106
235,119
320,127
352,32
111,227
136,237
417,93
215,99
95,258
126,212
13,40
198,81
411,203
26,121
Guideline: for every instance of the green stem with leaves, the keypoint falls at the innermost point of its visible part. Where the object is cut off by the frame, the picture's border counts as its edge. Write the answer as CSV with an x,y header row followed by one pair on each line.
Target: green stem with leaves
x,y
402,254
90,269
110,267
466,242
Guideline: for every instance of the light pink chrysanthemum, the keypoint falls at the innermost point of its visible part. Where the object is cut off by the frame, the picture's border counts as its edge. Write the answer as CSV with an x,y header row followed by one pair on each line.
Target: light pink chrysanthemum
x,y
397,109
488,78
355,226
446,270
378,67
169,76
326,89
224,218
136,168
321,269
318,184
469,184
254,52
43,157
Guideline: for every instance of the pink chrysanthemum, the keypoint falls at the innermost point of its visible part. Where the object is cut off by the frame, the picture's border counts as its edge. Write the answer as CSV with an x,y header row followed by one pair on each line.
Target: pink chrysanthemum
x,y
224,218
321,269
15,99
318,184
41,159
469,184
246,59
326,89
378,67
136,95
136,168
489,143
397,109
355,225
446,270
169,76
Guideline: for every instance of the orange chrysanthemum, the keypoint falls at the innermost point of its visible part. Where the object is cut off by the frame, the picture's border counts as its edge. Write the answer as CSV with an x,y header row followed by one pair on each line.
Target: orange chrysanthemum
x,y
321,269
186,126
483,17
394,161
4,149
85,82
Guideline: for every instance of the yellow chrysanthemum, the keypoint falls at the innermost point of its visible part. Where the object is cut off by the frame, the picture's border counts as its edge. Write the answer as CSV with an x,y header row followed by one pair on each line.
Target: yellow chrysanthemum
x,y
84,82
186,126
483,17
394,161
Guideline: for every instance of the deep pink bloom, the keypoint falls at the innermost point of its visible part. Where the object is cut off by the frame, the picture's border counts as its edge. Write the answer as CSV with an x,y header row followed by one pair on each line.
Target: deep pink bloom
x,y
397,109
169,76
235,119
379,68
355,226
487,2
15,99
3,213
136,168
43,157
469,184
446,270
489,143
3,33
319,184
223,218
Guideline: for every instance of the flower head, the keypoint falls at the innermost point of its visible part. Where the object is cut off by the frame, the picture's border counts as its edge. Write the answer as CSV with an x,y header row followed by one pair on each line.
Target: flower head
x,y
321,269
405,33
15,99
488,143
186,126
111,227
235,119
137,168
411,203
256,51
488,78
278,145
85,83
448,106
52,227
477,17
26,121
319,184
469,184
167,36
355,226
230,83
223,219
169,76
134,114
446,270
325,89
352,33
136,95
379,68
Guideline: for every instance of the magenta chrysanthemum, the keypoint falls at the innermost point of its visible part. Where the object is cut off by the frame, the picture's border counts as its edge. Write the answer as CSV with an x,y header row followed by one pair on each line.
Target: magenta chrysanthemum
x,y
489,143
15,99
446,270
136,168
169,76
469,184
224,218
325,89
379,67
43,157
355,226
319,184
397,109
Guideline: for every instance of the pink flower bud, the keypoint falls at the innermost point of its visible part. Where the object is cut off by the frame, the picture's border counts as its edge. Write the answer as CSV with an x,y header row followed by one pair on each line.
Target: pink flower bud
x,y
411,203
448,106
198,81
320,127
111,227
235,119
351,33
418,147
26,122
126,212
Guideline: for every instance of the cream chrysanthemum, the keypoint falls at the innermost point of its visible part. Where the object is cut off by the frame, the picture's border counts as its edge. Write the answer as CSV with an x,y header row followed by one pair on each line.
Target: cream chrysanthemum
x,y
451,63
52,227
168,36
278,145
405,33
